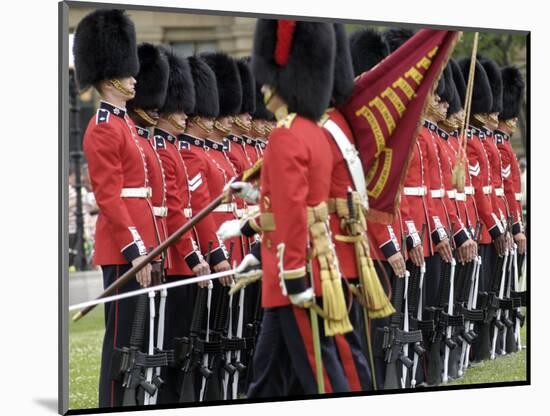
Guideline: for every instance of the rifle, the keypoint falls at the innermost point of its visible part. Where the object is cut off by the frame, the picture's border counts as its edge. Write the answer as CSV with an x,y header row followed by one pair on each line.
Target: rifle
x,y
519,299
252,331
498,325
129,363
212,384
395,338
187,351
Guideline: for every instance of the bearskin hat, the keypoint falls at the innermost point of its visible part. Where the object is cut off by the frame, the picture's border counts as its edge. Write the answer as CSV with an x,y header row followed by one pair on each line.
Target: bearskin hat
x,y
261,113
297,59
448,92
482,98
248,84
395,37
451,92
367,49
441,87
495,80
104,47
207,102
152,79
513,87
181,91
459,82
343,67
230,90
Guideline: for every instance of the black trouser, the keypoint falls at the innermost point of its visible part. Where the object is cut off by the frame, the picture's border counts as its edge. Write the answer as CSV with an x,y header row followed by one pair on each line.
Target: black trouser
x,y
284,362
177,322
482,345
119,316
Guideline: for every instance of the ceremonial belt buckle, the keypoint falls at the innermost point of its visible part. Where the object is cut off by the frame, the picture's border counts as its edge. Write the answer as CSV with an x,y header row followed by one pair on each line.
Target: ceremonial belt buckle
x,y
469,190
460,196
229,207
451,194
487,189
188,212
499,191
437,193
518,196
160,211
144,192
415,191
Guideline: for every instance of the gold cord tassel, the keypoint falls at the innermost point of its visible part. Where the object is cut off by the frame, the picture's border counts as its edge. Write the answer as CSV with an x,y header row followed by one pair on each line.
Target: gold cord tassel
x,y
378,304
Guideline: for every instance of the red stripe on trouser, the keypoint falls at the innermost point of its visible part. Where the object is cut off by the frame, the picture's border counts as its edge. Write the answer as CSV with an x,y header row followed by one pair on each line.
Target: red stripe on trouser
x,y
346,357
114,341
304,326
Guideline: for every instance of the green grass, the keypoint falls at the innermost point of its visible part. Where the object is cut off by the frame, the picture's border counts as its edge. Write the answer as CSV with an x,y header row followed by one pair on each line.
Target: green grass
x,y
86,337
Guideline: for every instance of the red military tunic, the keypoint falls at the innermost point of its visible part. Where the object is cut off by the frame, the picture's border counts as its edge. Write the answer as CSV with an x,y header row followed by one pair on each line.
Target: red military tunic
x,y
296,174
201,173
158,186
237,154
251,149
221,172
511,175
125,226
497,196
446,158
481,181
183,254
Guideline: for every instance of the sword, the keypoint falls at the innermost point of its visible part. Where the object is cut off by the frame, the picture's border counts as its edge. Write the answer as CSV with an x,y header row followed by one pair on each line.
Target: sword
x,y
418,318
449,328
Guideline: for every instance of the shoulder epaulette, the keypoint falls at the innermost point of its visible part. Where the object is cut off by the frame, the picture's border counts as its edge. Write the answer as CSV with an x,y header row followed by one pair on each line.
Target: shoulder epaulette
x,y
287,121
102,116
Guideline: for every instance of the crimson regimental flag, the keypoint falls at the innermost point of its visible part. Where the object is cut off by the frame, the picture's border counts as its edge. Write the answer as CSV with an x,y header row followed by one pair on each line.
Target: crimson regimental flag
x,y
385,114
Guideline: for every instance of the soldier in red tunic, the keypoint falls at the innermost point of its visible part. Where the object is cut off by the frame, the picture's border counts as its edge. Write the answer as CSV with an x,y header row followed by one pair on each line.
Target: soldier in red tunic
x,y
295,63
106,57
262,120
513,87
186,259
480,172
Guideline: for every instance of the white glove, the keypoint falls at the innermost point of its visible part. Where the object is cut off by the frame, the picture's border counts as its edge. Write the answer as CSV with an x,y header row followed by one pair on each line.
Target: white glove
x,y
229,229
303,298
246,191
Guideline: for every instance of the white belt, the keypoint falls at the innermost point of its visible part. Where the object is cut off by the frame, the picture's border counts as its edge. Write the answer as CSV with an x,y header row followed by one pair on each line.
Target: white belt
x,y
437,193
188,212
460,196
499,191
225,208
160,211
136,192
487,189
518,196
415,191
451,194
469,190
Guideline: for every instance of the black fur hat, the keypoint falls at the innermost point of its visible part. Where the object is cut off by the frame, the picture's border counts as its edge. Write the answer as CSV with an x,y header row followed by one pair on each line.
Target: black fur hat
x,y
248,84
441,87
459,82
482,99
343,67
395,37
207,102
152,79
451,92
181,91
513,87
367,49
448,91
104,47
261,113
297,59
495,80
230,90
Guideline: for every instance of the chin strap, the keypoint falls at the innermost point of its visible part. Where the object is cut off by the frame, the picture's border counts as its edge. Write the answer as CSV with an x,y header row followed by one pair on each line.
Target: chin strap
x,y
261,131
144,116
196,120
241,125
174,123
118,86
219,126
